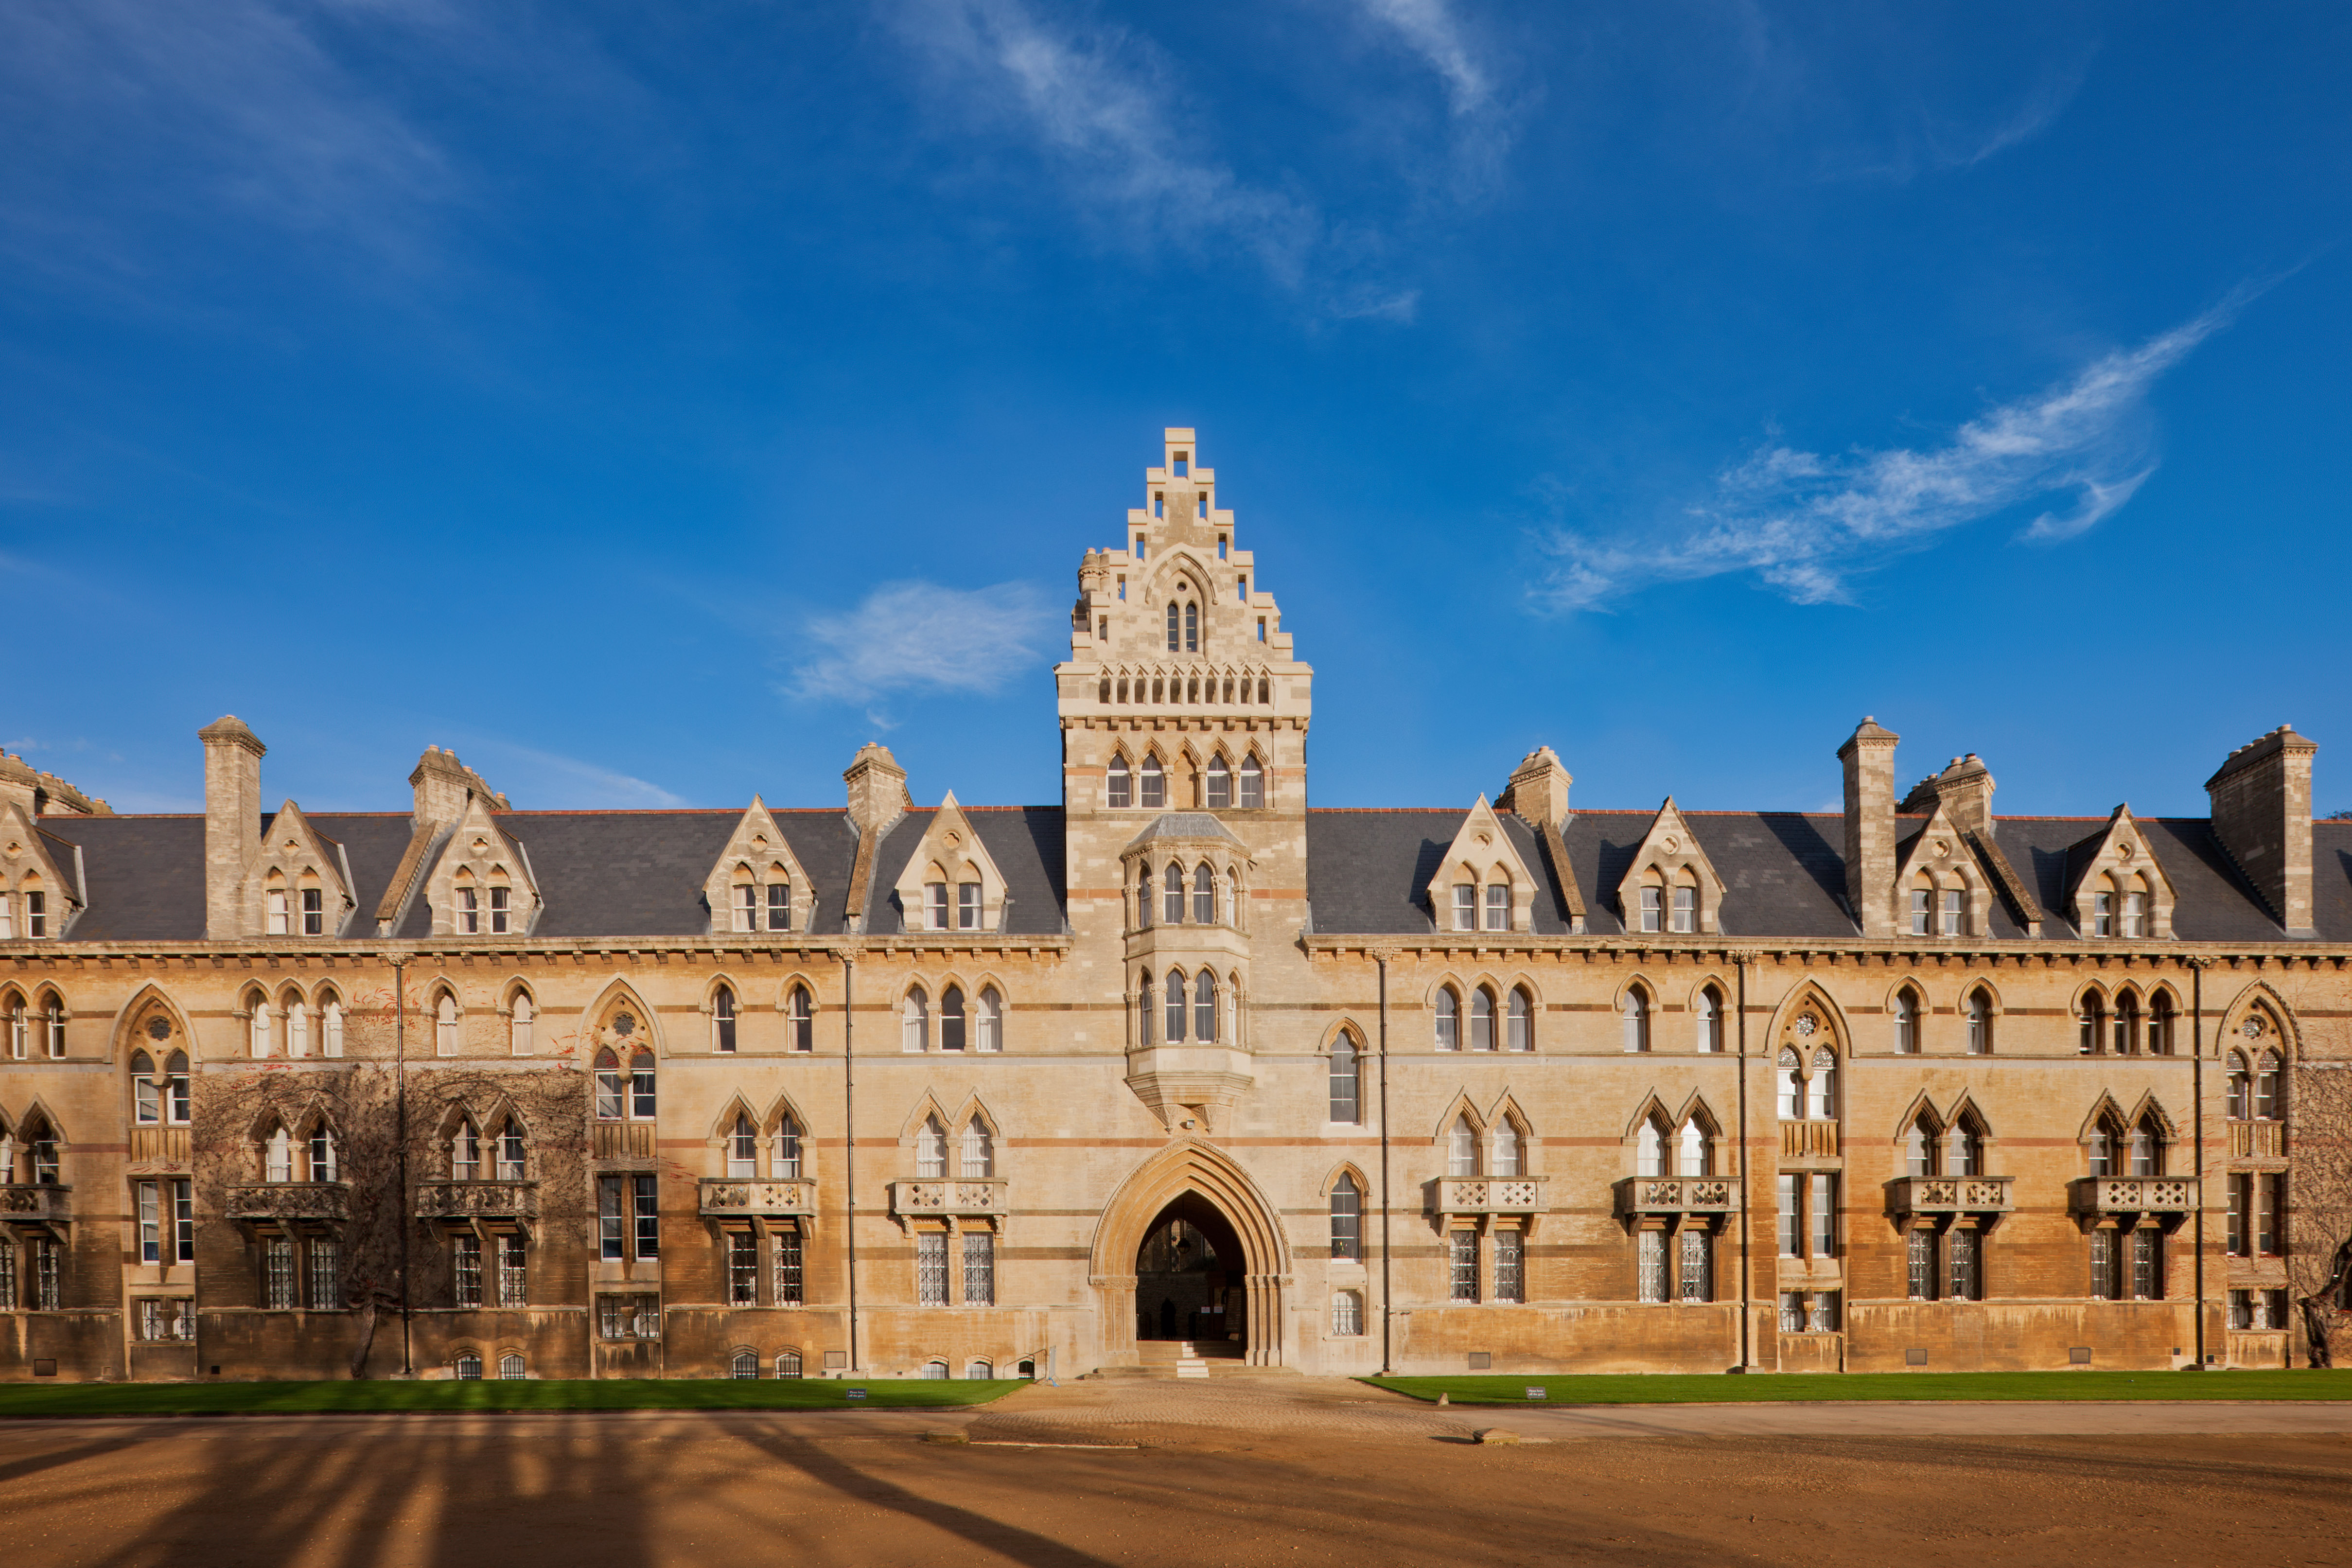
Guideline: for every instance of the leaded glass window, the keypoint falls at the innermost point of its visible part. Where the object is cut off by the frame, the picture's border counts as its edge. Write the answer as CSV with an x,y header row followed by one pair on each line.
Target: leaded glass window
x,y
1461,1254
1650,1258
1511,1267
931,1268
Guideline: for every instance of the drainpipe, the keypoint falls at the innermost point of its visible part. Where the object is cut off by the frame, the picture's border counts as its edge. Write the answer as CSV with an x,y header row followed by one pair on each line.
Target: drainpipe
x,y
1746,1328
400,1099
849,1126
2196,1080
1387,1362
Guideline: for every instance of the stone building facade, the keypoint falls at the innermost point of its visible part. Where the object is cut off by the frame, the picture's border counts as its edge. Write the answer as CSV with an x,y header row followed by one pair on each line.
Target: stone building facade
x,y
868,1087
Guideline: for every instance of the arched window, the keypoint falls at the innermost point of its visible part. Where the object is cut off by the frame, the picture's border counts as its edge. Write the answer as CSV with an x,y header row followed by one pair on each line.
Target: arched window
x,y
785,1149
146,1094
1519,1034
743,1364
788,1363
641,1085
742,1148
2126,1027
1178,996
936,1370
257,1027
1173,895
1787,1086
801,1008
723,1019
1449,1019
2101,1149
1963,1151
1499,906
444,1026
1698,1151
331,1024
277,1156
951,1020
469,1368
511,1164
979,1149
2146,1148
1685,912
1143,906
2241,1083
1482,1019
988,1021
1461,1148
2090,1021
609,1105
326,1165
1145,1016
1343,1078
175,1089
1649,1149
1204,1006
1221,784
2160,1015
1155,785
465,1153
1254,776
1710,1020
1919,1149
1821,1103
1346,1314
1906,1021
914,1021
1122,784
1979,1023
1502,1157
980,1372
1634,1018
1172,623
2269,1103
930,1147
298,1026
1204,895
510,1366
1651,909
520,1016
1192,628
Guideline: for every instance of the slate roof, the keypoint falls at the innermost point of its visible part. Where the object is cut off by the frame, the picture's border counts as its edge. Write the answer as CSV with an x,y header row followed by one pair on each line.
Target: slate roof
x,y
618,874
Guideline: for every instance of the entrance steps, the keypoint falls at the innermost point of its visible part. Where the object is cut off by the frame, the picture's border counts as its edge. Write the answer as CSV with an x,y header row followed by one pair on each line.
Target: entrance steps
x,y
1189,1358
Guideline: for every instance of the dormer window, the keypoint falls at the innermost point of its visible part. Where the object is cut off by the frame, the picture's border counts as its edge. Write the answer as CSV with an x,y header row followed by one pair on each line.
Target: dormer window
x,y
967,906
747,907
1922,909
2134,914
501,909
1499,906
1686,910
1954,911
36,914
314,912
2103,914
1653,909
279,917
935,906
1466,906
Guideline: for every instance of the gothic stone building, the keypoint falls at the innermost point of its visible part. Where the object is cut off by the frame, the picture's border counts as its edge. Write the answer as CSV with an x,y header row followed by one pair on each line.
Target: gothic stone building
x,y
1180,1060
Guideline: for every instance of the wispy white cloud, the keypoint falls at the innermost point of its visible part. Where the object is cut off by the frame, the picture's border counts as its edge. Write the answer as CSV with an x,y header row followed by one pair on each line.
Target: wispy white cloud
x,y
1375,304
1097,102
540,780
1806,523
919,637
1429,29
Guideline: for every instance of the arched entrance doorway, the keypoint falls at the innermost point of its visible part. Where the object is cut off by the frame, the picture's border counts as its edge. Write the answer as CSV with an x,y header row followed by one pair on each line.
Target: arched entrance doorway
x,y
1189,1231
1188,1276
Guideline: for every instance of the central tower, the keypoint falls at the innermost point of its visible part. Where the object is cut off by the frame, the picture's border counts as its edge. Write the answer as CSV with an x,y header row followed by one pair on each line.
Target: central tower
x,y
1184,722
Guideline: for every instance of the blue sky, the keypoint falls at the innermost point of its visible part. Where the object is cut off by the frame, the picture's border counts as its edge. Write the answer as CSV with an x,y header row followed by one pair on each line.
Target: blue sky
x,y
654,402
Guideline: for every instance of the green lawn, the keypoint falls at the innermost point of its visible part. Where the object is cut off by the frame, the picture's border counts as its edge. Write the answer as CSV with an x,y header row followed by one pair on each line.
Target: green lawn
x,y
22,1400
1650,1388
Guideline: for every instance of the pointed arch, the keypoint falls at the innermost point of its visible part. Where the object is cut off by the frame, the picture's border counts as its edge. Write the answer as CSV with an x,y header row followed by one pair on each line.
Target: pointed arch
x,y
1191,1166
1919,1108
2259,997
128,1031
927,1108
2148,1106
974,1106
1349,1169
2103,1109
1808,993
601,1019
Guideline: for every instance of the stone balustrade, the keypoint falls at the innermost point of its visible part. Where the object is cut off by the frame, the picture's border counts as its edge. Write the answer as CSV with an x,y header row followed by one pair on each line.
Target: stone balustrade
x,y
290,1200
726,1196
1485,1194
947,1196
1949,1194
2133,1195
478,1200
43,1201
1677,1194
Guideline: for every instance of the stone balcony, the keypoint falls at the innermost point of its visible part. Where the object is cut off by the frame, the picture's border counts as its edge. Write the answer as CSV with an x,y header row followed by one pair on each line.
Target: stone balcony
x,y
478,1200
1484,1194
290,1201
35,1204
1677,1194
2133,1195
1949,1194
947,1196
726,1196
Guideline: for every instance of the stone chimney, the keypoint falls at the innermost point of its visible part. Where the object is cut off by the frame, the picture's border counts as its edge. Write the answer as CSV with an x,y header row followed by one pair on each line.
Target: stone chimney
x,y
1869,758
233,756
1538,791
877,791
1964,789
443,785
2261,813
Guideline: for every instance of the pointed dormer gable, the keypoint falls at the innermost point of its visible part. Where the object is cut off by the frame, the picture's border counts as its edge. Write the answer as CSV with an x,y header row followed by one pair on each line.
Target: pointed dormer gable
x,y
948,859
757,883
482,884
1942,889
38,896
1671,887
1462,894
2115,887
291,868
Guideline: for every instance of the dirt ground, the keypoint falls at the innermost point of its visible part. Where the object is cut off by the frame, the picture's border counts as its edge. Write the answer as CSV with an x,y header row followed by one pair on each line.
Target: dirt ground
x,y
1294,1472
